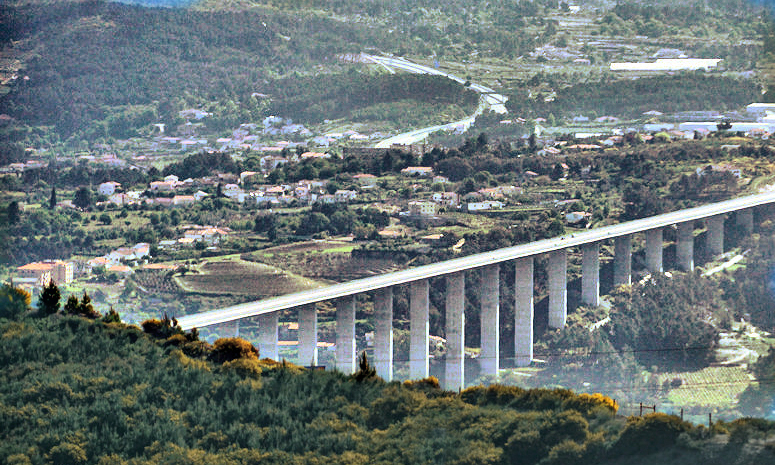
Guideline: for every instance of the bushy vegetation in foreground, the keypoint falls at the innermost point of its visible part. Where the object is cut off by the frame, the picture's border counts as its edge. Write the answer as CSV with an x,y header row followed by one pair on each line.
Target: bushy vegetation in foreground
x,y
76,390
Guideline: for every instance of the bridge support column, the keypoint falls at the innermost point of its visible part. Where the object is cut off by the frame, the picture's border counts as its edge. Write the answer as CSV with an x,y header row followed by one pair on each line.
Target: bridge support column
x,y
623,260
345,335
383,333
523,311
744,220
654,250
419,329
267,335
590,274
558,288
489,359
715,226
684,248
454,373
308,335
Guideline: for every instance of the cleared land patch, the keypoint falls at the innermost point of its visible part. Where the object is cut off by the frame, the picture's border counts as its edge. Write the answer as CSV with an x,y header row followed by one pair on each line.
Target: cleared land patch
x,y
239,277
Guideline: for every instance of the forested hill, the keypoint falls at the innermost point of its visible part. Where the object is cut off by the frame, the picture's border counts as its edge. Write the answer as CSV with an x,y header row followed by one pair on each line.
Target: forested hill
x,y
80,391
82,59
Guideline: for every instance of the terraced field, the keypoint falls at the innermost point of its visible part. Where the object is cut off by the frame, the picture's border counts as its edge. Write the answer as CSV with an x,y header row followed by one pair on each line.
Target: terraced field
x,y
238,277
327,260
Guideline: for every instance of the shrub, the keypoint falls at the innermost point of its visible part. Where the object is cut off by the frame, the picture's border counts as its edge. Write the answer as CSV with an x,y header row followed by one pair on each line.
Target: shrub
x,y
642,433
249,367
496,394
14,301
161,329
232,348
67,454
429,383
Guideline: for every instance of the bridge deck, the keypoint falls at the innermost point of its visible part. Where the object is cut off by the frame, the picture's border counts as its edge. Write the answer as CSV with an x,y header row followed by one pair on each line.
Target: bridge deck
x,y
359,286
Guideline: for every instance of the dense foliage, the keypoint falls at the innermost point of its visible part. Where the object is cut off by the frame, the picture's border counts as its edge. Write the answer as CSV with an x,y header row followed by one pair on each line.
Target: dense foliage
x,y
116,68
667,321
91,392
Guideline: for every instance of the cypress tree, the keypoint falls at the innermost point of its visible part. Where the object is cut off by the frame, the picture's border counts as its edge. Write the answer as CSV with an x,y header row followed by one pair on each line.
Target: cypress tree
x,y
52,202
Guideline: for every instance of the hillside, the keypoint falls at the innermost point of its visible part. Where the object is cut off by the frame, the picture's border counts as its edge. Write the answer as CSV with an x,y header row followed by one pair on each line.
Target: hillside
x,y
98,70
76,391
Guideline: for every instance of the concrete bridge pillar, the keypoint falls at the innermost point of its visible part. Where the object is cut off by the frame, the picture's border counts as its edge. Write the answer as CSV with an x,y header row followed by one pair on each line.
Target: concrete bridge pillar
x,y
715,226
744,220
454,373
623,260
654,250
383,333
523,311
489,358
684,248
345,335
267,335
590,274
308,335
419,329
558,289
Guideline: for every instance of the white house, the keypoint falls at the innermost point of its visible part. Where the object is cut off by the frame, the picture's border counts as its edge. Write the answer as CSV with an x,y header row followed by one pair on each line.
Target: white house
x,y
422,208
179,200
366,180
161,186
484,205
108,188
343,195
449,199
577,217
417,171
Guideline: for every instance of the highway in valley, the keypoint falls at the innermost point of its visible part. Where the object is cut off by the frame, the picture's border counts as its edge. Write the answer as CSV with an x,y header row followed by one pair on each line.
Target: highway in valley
x,y
490,101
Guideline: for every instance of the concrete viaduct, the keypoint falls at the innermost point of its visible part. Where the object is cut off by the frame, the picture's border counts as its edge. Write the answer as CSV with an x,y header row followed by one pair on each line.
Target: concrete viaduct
x,y
520,256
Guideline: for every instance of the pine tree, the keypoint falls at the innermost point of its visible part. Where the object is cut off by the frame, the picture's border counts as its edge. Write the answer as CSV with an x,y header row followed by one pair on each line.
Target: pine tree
x,y
48,301
85,308
71,306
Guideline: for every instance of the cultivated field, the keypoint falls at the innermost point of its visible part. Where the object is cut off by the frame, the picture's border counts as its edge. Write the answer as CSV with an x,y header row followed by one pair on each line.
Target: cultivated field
x,y
327,260
238,277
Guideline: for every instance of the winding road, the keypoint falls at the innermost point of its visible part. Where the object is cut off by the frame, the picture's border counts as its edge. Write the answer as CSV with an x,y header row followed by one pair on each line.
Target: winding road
x,y
489,101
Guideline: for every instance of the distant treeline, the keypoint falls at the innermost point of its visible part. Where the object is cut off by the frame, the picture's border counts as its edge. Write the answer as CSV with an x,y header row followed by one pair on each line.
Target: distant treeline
x,y
631,98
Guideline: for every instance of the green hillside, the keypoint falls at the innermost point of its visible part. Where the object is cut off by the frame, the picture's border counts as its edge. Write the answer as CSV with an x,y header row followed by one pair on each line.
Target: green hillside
x,y
77,391
98,69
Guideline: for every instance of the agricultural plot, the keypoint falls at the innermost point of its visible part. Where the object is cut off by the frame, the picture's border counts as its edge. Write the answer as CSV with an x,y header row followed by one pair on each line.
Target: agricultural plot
x,y
156,282
326,260
238,277
711,386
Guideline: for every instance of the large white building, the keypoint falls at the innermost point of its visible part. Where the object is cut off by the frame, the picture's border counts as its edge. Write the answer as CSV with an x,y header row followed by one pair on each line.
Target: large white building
x,y
760,109
668,64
